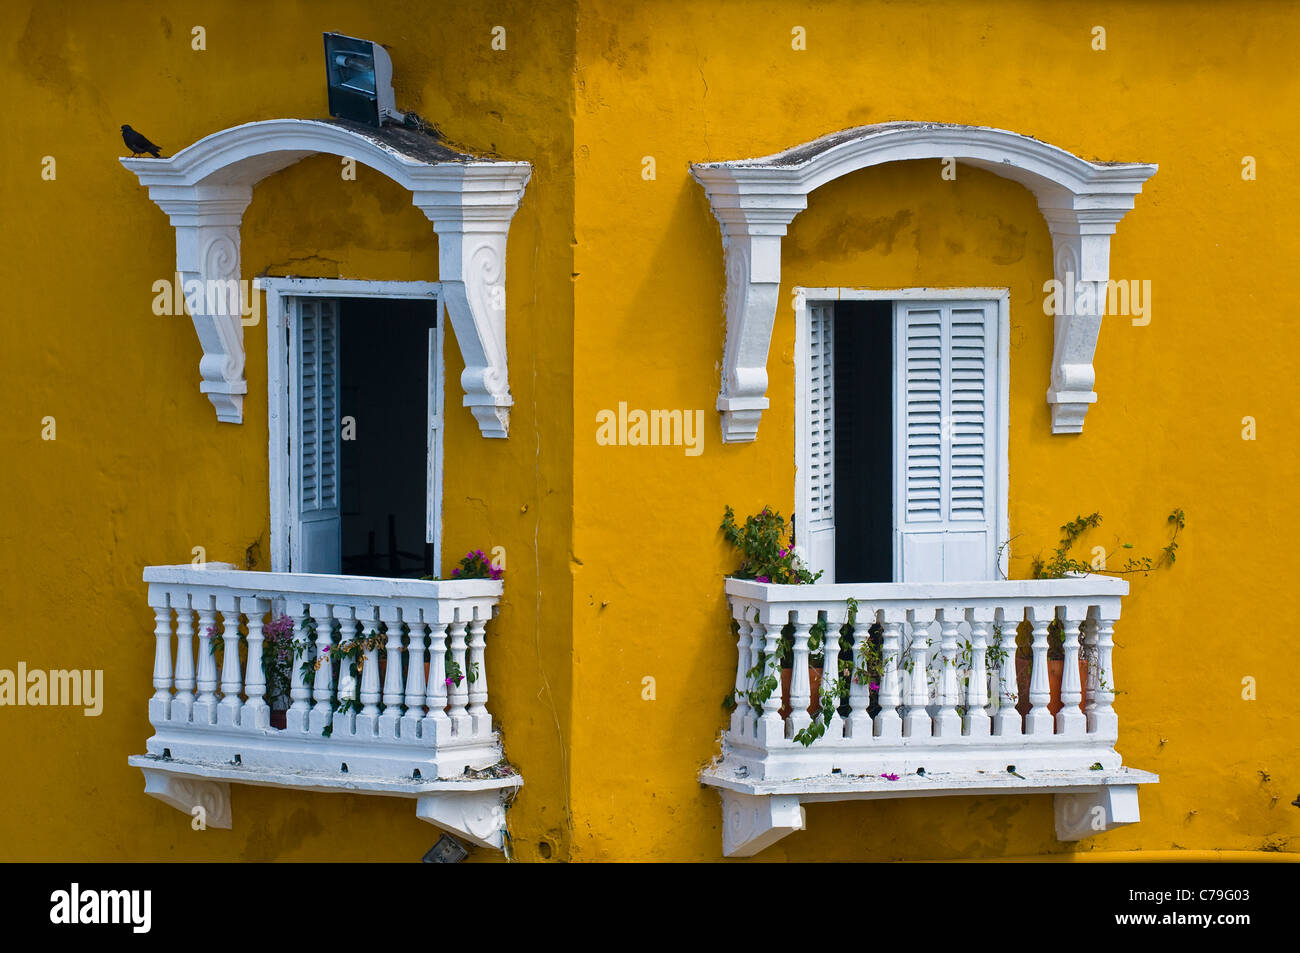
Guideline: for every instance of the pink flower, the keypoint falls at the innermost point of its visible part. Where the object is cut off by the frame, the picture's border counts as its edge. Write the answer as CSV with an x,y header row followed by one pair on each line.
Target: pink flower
x,y
448,680
890,777
875,686
762,579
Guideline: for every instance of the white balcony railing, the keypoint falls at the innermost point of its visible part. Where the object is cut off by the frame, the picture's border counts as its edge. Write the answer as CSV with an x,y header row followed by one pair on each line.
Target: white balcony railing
x,y
941,718
415,732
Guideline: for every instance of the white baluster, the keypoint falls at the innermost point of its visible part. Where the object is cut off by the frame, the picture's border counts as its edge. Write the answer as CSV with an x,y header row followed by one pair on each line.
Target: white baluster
x,y
160,703
322,690
800,697
1103,720
205,706
367,720
978,721
257,713
916,720
1090,653
1007,721
859,725
771,729
458,690
415,662
298,716
740,714
1070,719
183,703
947,723
231,682
389,721
1039,720
345,721
888,723
477,672
830,678
436,727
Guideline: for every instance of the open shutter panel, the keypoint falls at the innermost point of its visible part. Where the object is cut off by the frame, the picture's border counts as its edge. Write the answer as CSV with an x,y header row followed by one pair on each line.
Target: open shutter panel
x,y
943,498
819,535
319,514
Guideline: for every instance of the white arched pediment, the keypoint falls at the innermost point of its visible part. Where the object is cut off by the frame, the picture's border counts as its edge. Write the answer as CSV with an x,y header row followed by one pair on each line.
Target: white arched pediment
x,y
755,200
205,188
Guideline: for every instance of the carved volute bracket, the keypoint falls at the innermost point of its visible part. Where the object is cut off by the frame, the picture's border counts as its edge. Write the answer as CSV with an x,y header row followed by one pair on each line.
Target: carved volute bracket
x,y
471,209
207,222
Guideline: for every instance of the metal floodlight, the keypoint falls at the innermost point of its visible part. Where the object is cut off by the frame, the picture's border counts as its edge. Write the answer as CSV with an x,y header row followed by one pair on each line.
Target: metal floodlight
x,y
359,75
447,851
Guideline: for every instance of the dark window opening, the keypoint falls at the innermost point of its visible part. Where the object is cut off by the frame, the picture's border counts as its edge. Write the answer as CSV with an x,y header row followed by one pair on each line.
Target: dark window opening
x,y
864,441
384,373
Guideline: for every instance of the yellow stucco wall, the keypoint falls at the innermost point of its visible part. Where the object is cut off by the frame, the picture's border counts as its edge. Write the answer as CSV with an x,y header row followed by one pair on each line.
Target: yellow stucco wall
x,y
614,565
1193,92
141,471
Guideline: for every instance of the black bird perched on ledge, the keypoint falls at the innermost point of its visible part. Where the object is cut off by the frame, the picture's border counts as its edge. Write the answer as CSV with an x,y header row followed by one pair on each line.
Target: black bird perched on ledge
x,y
138,143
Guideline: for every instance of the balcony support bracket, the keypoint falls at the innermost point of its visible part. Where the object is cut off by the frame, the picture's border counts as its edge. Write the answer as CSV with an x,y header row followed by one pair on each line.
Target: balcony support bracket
x,y
478,817
753,823
205,800
1094,812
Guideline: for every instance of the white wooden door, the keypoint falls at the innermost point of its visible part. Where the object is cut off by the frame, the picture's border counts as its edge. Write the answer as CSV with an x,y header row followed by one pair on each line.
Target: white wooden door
x,y
317,543
946,435
818,535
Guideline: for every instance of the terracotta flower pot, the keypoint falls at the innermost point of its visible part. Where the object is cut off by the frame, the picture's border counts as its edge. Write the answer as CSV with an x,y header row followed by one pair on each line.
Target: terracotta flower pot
x,y
1055,674
814,685
279,705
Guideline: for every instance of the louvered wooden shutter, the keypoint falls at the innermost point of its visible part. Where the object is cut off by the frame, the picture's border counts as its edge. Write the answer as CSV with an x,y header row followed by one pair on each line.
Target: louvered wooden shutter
x,y
319,513
818,537
945,432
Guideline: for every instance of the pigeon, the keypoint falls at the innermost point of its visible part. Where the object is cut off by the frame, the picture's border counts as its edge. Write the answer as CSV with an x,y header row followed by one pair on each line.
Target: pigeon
x,y
138,143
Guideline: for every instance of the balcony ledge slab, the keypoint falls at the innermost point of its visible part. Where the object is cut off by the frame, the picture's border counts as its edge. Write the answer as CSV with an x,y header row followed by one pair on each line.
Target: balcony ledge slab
x,y
472,807
757,813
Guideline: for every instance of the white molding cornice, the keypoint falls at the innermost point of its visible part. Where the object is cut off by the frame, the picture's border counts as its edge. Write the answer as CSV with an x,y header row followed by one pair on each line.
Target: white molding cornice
x,y
755,200
205,188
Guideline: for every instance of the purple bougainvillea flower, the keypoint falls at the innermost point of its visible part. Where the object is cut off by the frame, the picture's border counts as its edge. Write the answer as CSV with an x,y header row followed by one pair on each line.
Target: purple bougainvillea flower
x,y
449,680
875,686
455,572
890,777
762,579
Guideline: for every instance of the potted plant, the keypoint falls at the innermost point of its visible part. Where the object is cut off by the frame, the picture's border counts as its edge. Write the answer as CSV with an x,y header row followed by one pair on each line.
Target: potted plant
x,y
1059,566
767,555
475,564
1055,667
277,661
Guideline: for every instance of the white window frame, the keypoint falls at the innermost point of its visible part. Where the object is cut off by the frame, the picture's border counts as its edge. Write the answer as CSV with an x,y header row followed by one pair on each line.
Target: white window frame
x,y
803,297
281,358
